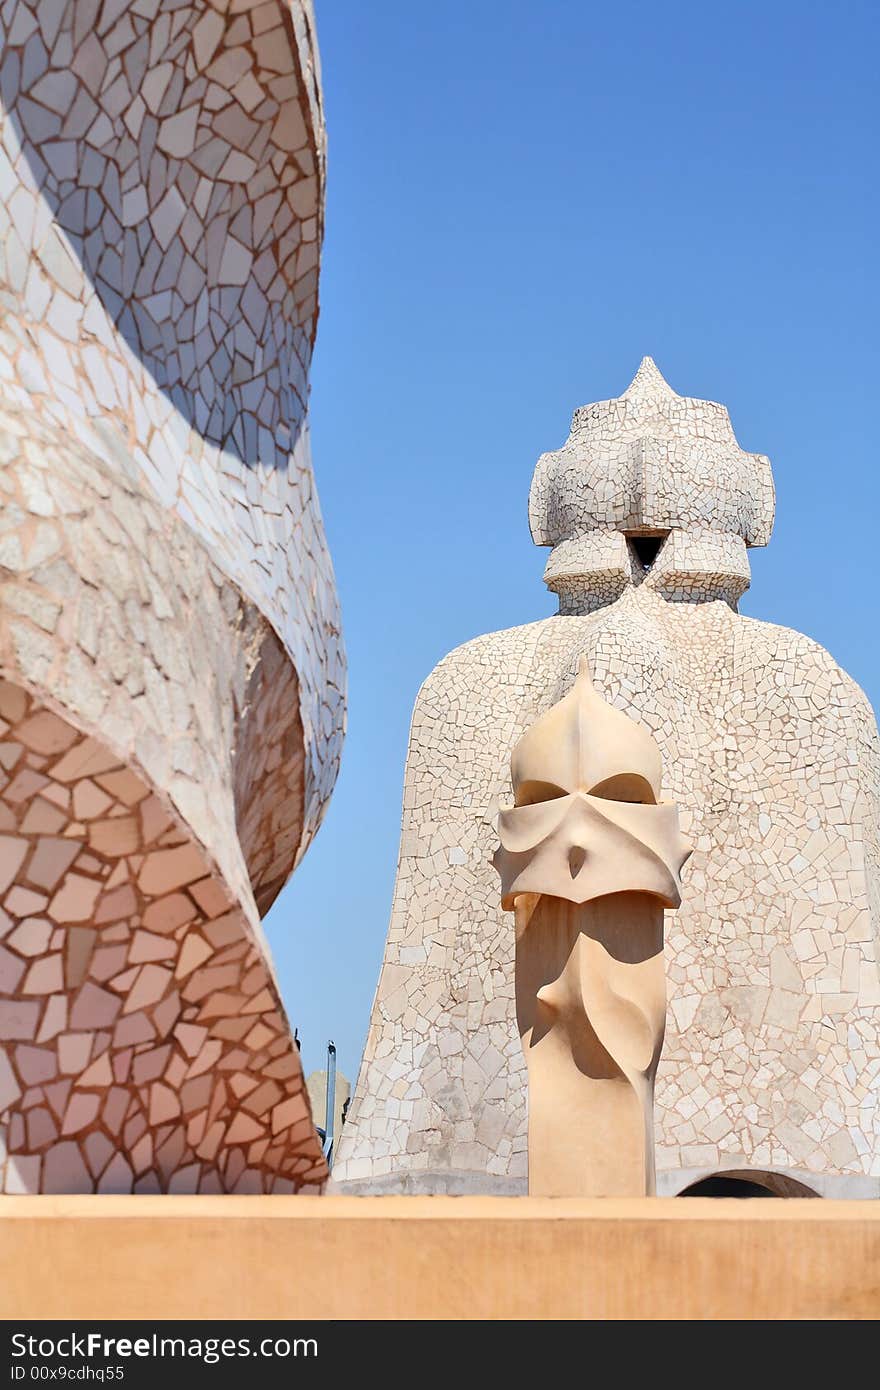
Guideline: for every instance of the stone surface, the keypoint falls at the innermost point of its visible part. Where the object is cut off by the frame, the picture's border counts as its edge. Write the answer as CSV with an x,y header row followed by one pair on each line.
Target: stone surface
x,y
173,696
772,1051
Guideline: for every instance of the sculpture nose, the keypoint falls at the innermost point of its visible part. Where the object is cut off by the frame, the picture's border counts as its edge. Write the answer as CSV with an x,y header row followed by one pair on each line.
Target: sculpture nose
x,y
576,857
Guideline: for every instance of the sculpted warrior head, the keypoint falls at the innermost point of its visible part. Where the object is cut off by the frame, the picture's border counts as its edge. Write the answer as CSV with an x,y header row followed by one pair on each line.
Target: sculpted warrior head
x,y
650,488
587,821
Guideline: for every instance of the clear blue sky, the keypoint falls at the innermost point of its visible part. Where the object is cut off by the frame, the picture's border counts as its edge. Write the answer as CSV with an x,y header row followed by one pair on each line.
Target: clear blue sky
x,y
523,200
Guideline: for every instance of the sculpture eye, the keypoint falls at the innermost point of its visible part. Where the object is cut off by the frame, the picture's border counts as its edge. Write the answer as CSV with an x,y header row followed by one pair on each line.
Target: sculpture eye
x,y
530,793
626,786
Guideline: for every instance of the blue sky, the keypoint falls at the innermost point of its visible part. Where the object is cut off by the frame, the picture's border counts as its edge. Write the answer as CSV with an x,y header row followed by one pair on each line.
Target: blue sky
x,y
522,201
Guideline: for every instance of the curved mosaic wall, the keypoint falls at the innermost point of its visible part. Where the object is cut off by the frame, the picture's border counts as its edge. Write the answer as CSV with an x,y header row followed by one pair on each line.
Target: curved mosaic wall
x,y
167,603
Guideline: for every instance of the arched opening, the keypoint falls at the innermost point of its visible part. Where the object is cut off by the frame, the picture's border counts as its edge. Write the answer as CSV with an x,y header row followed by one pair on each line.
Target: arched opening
x,y
747,1184
726,1187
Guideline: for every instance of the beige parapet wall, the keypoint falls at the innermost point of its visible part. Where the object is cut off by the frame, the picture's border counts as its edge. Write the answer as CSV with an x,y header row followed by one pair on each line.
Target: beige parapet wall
x,y
438,1257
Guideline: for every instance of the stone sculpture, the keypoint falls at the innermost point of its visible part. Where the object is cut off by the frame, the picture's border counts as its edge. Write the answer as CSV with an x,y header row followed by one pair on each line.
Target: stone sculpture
x,y
173,675
588,860
770,751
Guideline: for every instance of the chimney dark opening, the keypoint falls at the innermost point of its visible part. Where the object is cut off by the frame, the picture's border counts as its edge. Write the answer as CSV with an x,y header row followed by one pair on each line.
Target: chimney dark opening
x,y
646,548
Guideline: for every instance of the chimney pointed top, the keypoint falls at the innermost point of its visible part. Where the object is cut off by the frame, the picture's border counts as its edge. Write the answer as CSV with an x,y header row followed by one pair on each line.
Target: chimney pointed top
x,y
647,462
648,381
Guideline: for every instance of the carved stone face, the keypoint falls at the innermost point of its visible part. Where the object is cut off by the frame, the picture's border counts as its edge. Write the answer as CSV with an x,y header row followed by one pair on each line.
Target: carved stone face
x,y
586,820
